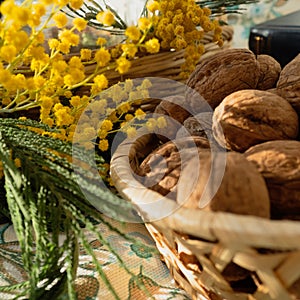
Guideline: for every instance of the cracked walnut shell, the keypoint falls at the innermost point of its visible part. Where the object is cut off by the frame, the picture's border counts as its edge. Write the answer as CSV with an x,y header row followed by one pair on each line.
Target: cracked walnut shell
x,y
249,117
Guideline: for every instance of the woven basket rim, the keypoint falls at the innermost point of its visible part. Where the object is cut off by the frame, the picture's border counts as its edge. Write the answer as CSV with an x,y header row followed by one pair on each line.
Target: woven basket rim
x,y
228,227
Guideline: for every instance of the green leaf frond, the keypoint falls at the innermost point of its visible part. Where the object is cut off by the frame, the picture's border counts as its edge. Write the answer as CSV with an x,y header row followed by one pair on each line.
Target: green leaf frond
x,y
46,197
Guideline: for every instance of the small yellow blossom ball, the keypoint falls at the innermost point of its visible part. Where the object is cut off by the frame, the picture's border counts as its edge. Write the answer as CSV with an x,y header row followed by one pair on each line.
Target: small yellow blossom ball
x,y
128,85
20,40
98,106
57,106
63,116
76,4
131,132
39,9
161,122
39,81
124,107
140,114
60,20
103,145
152,6
133,33
21,15
206,11
106,18
46,102
85,54
129,49
59,66
129,117
68,36
144,23
146,84
8,53
7,7
61,3
89,133
102,134
101,41
75,62
75,76
67,94
151,124
101,81
79,24
75,101
106,125
53,44
152,46
102,57
64,47
123,65
48,121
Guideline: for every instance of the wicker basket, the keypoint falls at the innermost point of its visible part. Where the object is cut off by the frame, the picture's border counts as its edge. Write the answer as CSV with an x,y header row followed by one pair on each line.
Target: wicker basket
x,y
199,247
165,64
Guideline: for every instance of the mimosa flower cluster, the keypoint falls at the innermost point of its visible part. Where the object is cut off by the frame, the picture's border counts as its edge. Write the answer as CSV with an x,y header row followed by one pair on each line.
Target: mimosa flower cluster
x,y
35,72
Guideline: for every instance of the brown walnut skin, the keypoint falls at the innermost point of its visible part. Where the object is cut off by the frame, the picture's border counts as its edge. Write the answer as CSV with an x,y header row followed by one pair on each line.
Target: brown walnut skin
x,y
249,117
242,189
288,84
279,164
223,73
269,69
161,168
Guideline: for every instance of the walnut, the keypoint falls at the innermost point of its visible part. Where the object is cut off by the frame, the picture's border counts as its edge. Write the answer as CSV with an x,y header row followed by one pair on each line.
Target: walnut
x,y
270,70
200,124
161,168
279,163
218,76
172,107
288,85
249,117
223,182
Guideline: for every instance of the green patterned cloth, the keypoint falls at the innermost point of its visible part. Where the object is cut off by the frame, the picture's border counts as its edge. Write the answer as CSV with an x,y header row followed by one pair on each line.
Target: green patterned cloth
x,y
154,272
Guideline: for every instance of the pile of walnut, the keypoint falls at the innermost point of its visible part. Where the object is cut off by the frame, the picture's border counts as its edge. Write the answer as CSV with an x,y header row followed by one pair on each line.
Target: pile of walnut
x,y
253,121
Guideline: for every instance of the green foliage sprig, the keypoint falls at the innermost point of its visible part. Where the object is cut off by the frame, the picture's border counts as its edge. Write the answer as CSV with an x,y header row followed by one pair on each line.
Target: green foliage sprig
x,y
44,199
221,7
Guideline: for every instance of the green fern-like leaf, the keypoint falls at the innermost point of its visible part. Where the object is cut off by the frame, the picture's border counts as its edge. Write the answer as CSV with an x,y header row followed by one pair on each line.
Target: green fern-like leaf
x,y
45,196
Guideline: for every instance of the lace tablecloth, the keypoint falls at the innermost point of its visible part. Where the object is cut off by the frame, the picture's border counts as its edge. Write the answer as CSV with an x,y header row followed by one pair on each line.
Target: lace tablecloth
x,y
89,286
